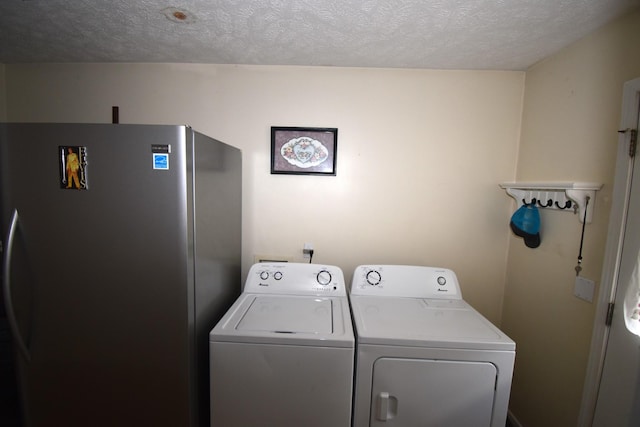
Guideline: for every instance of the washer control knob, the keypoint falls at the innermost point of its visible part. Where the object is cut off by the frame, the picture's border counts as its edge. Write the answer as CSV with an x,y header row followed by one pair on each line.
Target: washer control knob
x,y
374,278
277,275
324,277
264,275
441,281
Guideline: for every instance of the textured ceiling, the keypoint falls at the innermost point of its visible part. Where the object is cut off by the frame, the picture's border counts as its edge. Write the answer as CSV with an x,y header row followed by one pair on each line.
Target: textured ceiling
x,y
438,34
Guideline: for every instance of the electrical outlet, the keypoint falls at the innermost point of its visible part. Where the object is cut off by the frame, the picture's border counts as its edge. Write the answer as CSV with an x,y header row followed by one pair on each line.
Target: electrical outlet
x,y
306,250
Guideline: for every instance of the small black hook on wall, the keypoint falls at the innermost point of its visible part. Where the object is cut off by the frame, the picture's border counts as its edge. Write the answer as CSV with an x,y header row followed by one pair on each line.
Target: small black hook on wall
x,y
567,205
548,204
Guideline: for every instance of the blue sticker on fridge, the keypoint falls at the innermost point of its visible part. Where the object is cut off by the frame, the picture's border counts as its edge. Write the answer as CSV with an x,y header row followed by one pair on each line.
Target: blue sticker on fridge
x,y
161,161
161,156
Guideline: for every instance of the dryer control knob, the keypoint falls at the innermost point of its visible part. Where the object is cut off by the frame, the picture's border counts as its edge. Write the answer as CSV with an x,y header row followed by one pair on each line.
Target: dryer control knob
x,y
264,275
374,278
324,277
277,275
442,281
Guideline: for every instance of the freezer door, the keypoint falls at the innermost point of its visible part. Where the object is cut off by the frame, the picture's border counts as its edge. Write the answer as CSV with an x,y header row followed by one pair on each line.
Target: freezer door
x,y
217,195
99,272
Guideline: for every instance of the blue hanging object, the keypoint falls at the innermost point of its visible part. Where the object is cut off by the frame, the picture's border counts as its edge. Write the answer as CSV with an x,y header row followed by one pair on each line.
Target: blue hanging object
x,y
525,222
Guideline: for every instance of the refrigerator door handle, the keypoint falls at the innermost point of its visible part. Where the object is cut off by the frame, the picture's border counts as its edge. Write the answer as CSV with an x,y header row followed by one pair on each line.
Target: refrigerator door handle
x,y
8,303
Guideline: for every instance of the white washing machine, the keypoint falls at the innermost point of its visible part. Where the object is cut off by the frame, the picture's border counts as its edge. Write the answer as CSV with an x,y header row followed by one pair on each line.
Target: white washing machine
x,y
283,354
424,356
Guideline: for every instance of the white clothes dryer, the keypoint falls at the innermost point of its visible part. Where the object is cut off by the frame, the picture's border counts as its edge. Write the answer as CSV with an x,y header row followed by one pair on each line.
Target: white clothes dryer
x,y
424,356
283,354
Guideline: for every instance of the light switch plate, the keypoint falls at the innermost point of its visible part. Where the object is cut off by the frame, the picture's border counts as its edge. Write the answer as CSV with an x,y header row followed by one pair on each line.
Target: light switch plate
x,y
584,288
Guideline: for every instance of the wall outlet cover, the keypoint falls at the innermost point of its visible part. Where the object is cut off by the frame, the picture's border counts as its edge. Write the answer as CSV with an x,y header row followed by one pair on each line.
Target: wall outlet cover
x,y
306,250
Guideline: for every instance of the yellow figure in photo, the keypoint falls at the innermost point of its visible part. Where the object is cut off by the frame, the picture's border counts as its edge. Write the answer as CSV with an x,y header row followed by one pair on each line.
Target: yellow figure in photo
x,y
73,164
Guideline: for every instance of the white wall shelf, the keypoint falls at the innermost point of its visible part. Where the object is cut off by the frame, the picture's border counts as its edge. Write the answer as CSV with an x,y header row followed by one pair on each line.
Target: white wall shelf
x,y
567,196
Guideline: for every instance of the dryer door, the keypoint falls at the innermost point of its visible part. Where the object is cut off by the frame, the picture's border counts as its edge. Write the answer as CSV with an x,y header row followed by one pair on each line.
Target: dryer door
x,y
423,392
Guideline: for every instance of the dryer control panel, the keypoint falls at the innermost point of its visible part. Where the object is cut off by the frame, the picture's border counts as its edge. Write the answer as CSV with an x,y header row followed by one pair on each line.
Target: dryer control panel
x,y
295,279
405,281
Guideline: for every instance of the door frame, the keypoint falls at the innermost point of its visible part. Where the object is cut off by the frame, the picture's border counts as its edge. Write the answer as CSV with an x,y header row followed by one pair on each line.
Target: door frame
x,y
613,251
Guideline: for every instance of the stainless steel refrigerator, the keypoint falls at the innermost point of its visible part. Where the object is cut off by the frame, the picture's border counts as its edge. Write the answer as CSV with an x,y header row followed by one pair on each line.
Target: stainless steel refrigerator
x,y
121,250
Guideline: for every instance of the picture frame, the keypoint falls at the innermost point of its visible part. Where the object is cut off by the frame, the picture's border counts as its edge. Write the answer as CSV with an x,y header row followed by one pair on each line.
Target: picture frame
x,y
304,150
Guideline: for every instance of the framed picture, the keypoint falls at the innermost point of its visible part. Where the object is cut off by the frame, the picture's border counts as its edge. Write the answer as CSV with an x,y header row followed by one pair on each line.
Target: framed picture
x,y
304,151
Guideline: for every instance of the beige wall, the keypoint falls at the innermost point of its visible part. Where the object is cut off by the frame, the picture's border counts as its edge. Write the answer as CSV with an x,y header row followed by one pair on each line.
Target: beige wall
x,y
420,154
569,133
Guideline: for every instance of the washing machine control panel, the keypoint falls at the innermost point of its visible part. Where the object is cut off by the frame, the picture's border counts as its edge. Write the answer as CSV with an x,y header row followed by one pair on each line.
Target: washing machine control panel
x,y
296,279
405,281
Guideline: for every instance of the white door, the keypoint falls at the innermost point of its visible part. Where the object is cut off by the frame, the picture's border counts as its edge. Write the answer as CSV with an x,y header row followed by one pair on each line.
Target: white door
x,y
618,401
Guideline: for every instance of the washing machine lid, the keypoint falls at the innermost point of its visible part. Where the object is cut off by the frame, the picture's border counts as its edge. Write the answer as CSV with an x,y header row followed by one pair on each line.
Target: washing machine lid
x,y
288,314
287,319
419,322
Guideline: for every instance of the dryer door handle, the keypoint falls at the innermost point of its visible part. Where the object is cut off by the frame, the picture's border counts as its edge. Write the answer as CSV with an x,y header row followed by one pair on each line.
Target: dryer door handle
x,y
387,406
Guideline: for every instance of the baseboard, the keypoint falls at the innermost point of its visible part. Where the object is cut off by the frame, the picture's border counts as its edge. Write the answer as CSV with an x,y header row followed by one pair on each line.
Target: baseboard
x,y
512,421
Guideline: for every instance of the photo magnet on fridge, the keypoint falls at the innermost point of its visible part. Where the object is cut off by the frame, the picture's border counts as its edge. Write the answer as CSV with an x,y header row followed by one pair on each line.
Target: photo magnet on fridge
x,y
73,167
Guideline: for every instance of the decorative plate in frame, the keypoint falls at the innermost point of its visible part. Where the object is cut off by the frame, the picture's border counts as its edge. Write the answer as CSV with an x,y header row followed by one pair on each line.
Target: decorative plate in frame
x,y
304,151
